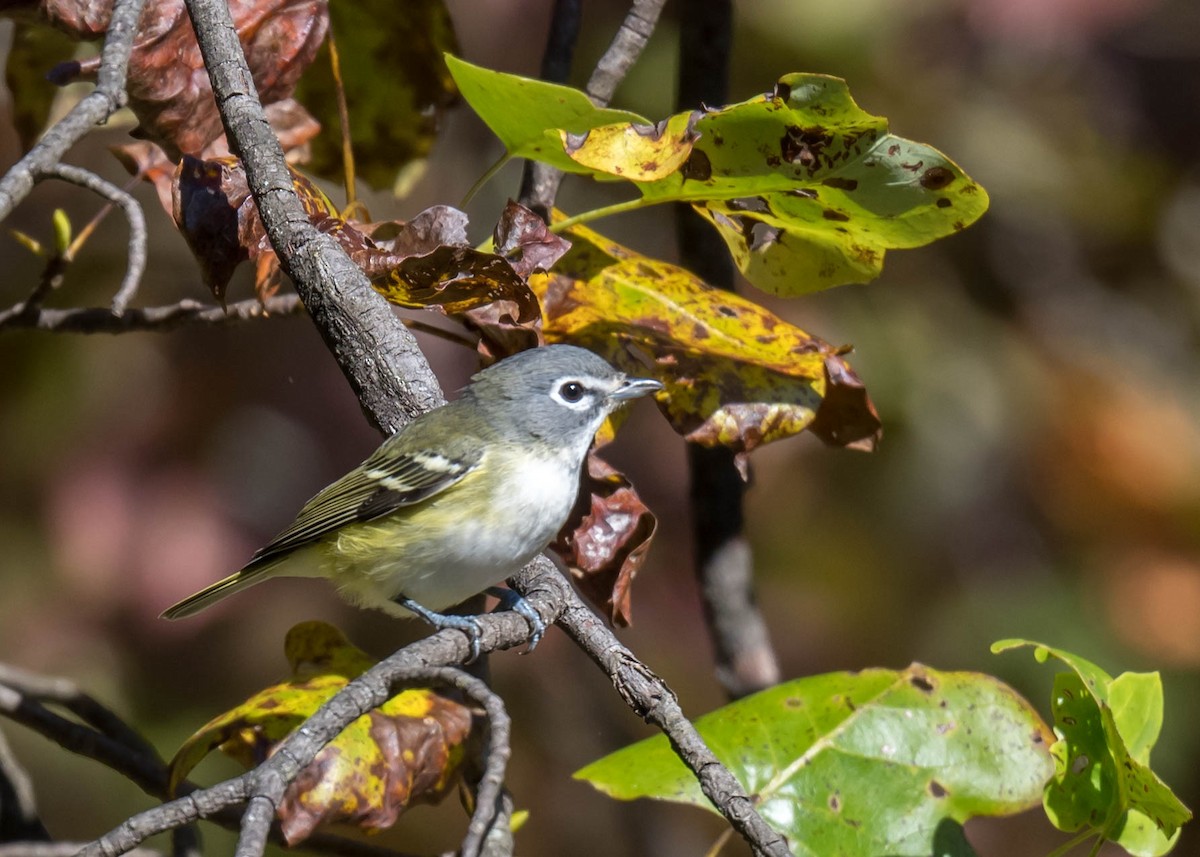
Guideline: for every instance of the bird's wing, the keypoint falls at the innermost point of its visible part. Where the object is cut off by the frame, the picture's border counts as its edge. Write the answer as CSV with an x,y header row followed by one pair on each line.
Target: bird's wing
x,y
385,482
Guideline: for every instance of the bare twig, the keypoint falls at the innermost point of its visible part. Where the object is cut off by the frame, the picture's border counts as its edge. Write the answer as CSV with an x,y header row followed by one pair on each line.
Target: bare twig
x,y
156,319
625,49
107,98
133,213
745,661
18,807
102,735
59,849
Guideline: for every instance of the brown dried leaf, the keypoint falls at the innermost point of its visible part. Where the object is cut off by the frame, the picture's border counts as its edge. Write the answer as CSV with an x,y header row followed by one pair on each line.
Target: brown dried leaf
x,y
522,238
168,85
213,208
438,224
606,539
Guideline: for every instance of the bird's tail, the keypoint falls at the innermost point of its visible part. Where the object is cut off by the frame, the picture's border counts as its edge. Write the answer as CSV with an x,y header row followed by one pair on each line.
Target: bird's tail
x,y
210,595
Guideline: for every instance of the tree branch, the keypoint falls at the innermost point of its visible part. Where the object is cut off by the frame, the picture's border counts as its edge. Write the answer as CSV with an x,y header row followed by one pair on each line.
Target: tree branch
x,y
420,663
379,357
107,98
18,807
745,661
156,319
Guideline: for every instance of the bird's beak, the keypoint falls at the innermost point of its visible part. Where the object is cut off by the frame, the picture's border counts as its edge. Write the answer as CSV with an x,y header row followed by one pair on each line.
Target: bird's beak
x,y
632,388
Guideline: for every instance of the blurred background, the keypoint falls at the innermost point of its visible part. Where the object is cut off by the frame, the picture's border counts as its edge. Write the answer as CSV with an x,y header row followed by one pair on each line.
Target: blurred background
x,y
1037,375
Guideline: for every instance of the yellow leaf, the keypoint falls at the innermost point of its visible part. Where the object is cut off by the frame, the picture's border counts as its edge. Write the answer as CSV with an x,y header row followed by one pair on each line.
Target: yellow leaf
x,y
735,374
631,150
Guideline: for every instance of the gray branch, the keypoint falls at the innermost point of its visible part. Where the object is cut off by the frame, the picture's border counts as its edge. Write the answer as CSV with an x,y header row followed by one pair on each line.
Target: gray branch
x,y
157,319
652,700
107,98
379,357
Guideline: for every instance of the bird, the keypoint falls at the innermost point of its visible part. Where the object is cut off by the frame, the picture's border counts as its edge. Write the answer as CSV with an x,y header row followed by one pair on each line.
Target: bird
x,y
457,500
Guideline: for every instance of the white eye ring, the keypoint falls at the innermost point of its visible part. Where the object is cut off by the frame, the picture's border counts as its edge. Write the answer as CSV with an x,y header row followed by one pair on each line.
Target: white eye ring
x,y
573,394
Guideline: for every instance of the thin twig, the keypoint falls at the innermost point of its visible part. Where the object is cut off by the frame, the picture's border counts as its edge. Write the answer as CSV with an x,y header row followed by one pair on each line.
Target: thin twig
x,y
107,98
154,319
489,790
59,849
745,660
133,214
19,818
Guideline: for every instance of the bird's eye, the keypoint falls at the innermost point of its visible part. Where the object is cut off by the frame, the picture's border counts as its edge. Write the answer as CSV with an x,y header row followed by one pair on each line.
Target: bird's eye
x,y
571,392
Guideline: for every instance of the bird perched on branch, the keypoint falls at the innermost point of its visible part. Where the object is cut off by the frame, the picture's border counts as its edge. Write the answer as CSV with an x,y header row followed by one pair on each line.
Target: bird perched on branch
x,y
456,501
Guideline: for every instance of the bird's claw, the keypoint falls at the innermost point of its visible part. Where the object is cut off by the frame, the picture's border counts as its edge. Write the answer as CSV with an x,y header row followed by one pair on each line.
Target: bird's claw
x,y
512,600
469,625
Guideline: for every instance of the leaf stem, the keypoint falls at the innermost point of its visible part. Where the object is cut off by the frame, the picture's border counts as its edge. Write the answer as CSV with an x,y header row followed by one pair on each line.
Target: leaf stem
x,y
335,68
605,211
485,178
1071,843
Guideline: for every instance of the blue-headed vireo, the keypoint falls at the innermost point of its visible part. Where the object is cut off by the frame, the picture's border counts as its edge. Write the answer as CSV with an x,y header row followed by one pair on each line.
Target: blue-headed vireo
x,y
456,501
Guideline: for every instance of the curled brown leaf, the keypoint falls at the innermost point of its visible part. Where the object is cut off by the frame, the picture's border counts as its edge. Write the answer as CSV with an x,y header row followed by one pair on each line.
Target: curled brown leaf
x,y
606,539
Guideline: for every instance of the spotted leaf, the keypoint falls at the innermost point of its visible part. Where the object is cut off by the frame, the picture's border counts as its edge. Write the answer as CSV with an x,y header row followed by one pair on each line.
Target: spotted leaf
x,y
406,751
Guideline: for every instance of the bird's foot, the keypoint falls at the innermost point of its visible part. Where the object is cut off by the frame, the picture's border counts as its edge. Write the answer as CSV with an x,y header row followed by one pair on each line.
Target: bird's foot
x,y
469,625
510,599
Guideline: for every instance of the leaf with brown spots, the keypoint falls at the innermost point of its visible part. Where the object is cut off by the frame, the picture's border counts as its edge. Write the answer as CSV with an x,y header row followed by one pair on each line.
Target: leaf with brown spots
x,y
860,763
735,374
633,151
405,751
807,189
606,539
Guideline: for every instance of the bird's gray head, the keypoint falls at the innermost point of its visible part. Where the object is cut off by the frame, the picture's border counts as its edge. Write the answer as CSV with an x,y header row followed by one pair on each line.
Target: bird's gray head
x,y
558,392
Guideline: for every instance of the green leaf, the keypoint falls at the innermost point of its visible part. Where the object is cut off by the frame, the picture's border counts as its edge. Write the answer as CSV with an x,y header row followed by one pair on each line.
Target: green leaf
x,y
395,84
868,763
1106,729
529,115
807,189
